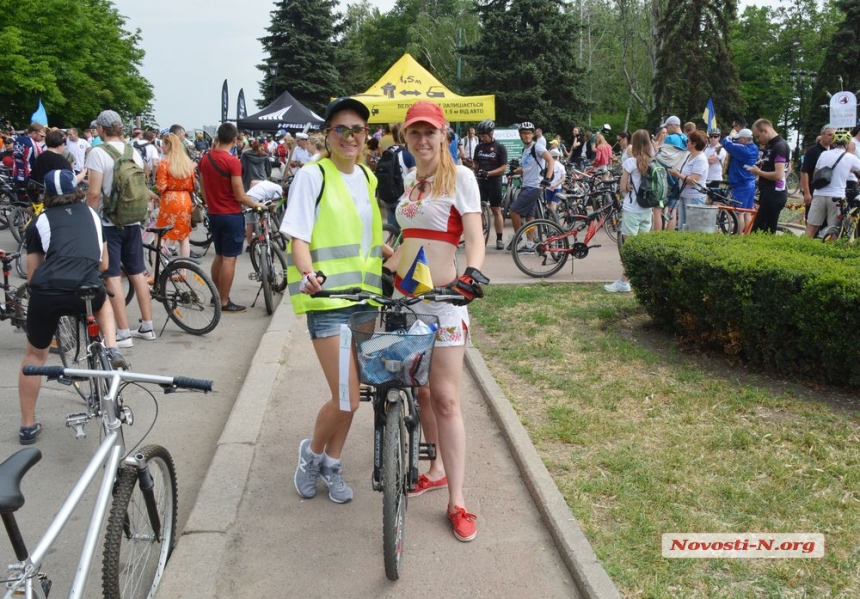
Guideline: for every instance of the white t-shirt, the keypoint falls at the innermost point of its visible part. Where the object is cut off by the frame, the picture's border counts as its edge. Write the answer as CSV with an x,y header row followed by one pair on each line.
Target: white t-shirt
x,y
99,160
532,167
302,209
852,176
694,166
469,144
78,149
849,163
301,155
715,170
265,191
558,175
630,203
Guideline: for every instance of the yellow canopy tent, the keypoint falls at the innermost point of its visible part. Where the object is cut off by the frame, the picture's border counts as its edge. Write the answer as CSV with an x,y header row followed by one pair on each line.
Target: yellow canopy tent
x,y
407,82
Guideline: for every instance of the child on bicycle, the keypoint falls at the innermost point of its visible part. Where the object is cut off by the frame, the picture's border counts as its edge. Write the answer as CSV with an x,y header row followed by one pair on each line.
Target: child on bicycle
x,y
65,250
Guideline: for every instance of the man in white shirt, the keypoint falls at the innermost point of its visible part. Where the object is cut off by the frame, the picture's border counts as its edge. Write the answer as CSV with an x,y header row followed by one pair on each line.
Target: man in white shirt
x,y
467,148
842,162
77,147
302,153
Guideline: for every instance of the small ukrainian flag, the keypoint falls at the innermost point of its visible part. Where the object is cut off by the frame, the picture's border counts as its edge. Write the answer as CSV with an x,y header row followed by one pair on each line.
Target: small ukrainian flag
x,y
417,279
710,116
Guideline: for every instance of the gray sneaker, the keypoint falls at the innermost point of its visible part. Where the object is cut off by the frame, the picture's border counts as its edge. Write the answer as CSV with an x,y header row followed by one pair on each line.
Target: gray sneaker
x,y
338,491
308,471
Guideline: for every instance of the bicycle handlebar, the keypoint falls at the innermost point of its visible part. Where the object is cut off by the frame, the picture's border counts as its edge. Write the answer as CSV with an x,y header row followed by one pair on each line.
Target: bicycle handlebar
x,y
168,382
357,294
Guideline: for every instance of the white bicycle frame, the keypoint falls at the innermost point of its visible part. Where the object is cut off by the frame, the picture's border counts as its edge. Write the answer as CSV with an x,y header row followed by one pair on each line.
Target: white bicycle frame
x,y
107,457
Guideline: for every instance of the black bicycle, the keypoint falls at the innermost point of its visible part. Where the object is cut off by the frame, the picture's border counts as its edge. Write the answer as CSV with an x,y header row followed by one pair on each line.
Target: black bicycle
x,y
268,260
393,350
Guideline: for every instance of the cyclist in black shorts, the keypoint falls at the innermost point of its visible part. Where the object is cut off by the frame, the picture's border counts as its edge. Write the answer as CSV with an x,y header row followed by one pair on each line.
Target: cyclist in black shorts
x,y
65,249
491,162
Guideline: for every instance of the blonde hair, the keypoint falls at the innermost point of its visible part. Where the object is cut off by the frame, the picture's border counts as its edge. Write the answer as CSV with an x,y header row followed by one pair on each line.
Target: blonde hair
x,y
178,162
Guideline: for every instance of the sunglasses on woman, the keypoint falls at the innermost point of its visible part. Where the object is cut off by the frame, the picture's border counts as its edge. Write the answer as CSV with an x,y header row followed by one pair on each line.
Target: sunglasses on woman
x,y
347,132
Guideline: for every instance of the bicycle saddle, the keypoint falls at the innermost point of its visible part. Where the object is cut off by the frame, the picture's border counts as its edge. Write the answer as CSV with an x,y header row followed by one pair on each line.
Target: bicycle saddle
x,y
11,473
159,230
88,291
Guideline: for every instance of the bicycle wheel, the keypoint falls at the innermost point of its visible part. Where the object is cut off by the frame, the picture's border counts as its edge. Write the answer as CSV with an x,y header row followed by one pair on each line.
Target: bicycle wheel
x,y
394,499
136,552
550,251
391,235
264,259
278,270
19,218
486,220
21,299
201,236
6,204
727,222
128,288
792,182
69,335
275,230
186,291
612,225
21,260
831,234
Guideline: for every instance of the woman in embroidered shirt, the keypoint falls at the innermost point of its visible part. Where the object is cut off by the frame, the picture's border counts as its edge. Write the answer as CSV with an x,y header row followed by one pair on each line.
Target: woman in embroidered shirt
x,y
175,182
441,203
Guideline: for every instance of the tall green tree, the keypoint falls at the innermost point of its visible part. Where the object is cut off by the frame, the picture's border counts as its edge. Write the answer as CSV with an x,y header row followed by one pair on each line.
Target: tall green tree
x,y
523,59
840,69
302,57
694,61
76,56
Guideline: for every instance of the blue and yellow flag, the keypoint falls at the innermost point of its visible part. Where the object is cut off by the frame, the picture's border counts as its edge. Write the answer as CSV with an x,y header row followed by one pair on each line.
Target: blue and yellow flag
x,y
417,279
710,116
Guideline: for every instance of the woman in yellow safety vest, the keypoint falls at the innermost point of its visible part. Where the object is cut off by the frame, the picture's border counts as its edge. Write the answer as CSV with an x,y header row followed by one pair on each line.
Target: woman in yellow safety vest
x,y
335,228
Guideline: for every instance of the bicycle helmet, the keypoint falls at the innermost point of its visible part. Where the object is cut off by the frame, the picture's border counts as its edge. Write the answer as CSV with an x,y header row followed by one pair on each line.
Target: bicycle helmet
x,y
526,126
841,138
485,127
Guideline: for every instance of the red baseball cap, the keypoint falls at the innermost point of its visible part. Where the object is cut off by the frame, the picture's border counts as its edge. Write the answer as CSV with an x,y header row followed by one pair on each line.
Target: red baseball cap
x,y
425,111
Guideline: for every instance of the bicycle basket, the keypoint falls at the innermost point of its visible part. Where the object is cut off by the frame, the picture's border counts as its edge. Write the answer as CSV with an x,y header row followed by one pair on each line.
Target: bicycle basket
x,y
389,350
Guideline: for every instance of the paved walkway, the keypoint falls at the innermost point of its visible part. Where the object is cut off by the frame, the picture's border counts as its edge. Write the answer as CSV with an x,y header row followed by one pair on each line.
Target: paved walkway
x,y
251,535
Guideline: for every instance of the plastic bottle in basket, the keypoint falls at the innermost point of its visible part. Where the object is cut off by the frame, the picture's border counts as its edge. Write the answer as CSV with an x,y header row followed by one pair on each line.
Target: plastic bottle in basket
x,y
419,327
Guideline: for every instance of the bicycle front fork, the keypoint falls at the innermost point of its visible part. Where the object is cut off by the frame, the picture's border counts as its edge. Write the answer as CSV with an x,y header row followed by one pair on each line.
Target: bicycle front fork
x,y
147,485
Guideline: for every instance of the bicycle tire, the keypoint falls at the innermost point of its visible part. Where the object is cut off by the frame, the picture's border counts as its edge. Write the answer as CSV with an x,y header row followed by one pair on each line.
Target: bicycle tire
x,y
69,335
275,231
279,270
612,225
543,262
21,260
19,218
6,202
486,220
831,234
394,497
265,260
186,297
391,235
19,318
129,288
727,222
134,554
201,234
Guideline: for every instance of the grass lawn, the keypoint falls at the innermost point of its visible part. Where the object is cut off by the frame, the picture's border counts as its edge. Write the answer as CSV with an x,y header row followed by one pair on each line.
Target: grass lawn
x,y
645,437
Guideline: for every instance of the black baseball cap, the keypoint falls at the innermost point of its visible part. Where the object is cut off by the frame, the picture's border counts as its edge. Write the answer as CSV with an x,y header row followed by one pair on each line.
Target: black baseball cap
x,y
346,103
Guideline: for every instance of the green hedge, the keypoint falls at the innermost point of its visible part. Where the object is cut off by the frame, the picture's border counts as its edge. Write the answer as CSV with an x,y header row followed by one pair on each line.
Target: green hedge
x,y
786,303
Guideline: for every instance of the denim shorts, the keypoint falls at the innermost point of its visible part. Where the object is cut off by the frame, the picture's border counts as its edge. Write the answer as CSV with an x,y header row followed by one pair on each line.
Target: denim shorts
x,y
228,233
326,323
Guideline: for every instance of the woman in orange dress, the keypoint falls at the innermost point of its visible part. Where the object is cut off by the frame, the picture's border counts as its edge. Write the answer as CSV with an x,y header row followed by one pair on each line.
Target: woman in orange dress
x,y
175,182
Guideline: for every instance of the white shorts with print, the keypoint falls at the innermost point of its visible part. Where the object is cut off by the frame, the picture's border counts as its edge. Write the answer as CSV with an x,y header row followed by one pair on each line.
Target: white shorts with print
x,y
453,321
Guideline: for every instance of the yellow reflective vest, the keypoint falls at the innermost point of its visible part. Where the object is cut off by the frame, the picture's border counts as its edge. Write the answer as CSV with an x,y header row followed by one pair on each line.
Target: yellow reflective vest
x,y
336,243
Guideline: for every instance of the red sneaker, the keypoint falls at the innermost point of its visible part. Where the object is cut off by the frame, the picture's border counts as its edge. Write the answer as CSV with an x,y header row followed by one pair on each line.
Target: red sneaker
x,y
424,484
464,524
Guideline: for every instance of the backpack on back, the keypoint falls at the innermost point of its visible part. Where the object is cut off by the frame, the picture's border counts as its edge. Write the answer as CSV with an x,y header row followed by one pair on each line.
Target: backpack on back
x,y
653,187
129,195
389,174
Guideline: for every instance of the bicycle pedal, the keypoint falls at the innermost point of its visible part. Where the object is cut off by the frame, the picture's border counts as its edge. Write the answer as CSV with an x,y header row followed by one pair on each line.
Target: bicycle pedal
x,y
365,393
77,422
426,451
254,276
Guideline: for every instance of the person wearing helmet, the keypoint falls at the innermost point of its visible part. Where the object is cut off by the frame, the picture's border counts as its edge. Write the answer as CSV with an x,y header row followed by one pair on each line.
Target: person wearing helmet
x,y
770,170
491,162
537,168
842,163
467,148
